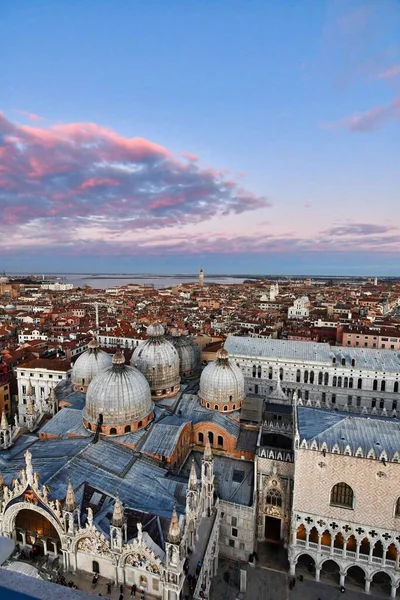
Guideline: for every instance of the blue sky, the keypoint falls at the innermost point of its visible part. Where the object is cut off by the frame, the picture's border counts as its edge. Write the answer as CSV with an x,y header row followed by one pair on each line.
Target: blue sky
x,y
256,136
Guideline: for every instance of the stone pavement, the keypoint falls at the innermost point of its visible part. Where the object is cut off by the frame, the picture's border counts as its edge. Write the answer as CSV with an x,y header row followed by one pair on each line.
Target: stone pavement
x,y
269,584
84,582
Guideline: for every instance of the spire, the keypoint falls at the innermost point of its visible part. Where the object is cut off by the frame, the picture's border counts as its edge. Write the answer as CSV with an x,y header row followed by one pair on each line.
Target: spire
x,y
70,499
29,469
52,395
4,422
118,517
30,391
207,450
30,406
174,532
193,477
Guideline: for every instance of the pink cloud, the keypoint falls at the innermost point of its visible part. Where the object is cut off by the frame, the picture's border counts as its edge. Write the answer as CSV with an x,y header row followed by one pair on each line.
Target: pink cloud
x,y
98,182
78,176
371,119
31,116
390,73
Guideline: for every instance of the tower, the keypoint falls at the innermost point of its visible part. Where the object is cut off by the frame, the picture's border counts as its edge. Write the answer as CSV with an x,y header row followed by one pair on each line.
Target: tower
x,y
5,433
207,479
201,277
118,528
71,511
192,503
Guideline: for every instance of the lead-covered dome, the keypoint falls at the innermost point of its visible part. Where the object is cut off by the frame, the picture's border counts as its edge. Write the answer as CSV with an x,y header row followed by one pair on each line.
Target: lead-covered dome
x,y
89,364
222,384
158,360
119,399
189,355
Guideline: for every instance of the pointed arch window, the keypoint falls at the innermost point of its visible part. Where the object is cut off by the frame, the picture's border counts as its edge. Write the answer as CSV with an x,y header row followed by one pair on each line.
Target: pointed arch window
x,y
274,497
342,495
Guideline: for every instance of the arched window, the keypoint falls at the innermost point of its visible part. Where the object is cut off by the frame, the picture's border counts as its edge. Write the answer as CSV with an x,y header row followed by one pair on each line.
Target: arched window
x,y
334,380
397,509
220,441
113,431
225,408
342,495
320,378
339,381
201,438
215,406
359,383
274,497
254,370
351,381
326,378
375,384
396,386
270,373
211,437
139,425
95,566
343,362
298,375
383,385
234,407
311,376
353,362
89,426
259,372
305,376
208,405
346,382
127,429
281,374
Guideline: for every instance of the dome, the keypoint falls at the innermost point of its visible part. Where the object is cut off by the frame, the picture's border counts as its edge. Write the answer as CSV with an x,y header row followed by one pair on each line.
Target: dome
x,y
88,365
121,395
158,360
189,355
222,384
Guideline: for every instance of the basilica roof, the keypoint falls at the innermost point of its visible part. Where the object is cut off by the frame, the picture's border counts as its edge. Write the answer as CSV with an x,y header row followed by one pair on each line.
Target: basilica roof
x,y
164,436
353,434
365,358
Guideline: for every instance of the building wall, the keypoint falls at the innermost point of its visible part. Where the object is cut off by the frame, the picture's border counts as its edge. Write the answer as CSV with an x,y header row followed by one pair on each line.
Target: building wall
x,y
237,530
5,399
42,381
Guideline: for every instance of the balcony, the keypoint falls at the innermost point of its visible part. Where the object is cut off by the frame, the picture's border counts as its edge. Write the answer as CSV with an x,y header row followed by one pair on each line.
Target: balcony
x,y
349,555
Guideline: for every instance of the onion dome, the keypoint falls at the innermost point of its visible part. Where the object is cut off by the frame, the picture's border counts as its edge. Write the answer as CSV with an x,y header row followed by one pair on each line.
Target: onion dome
x,y
88,365
189,355
118,399
222,384
158,360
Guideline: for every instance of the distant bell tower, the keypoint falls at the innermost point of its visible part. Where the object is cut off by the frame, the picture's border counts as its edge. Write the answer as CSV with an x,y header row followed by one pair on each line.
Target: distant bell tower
x,y
201,277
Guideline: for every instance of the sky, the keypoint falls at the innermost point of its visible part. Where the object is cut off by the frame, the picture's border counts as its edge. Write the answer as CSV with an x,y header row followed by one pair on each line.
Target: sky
x,y
159,136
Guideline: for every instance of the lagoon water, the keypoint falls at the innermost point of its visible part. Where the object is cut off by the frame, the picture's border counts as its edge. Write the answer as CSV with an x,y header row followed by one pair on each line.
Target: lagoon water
x,y
106,281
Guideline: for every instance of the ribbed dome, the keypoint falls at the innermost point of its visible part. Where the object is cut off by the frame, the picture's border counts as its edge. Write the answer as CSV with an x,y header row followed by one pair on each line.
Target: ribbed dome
x,y
121,395
222,384
189,355
89,364
158,360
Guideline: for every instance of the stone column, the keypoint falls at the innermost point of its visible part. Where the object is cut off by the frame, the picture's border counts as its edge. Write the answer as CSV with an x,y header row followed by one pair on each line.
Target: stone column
x,y
342,578
294,536
344,549
393,591
371,549
358,549
384,556
45,546
367,585
307,539
292,569
332,544
317,573
397,561
319,542
23,533
55,548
